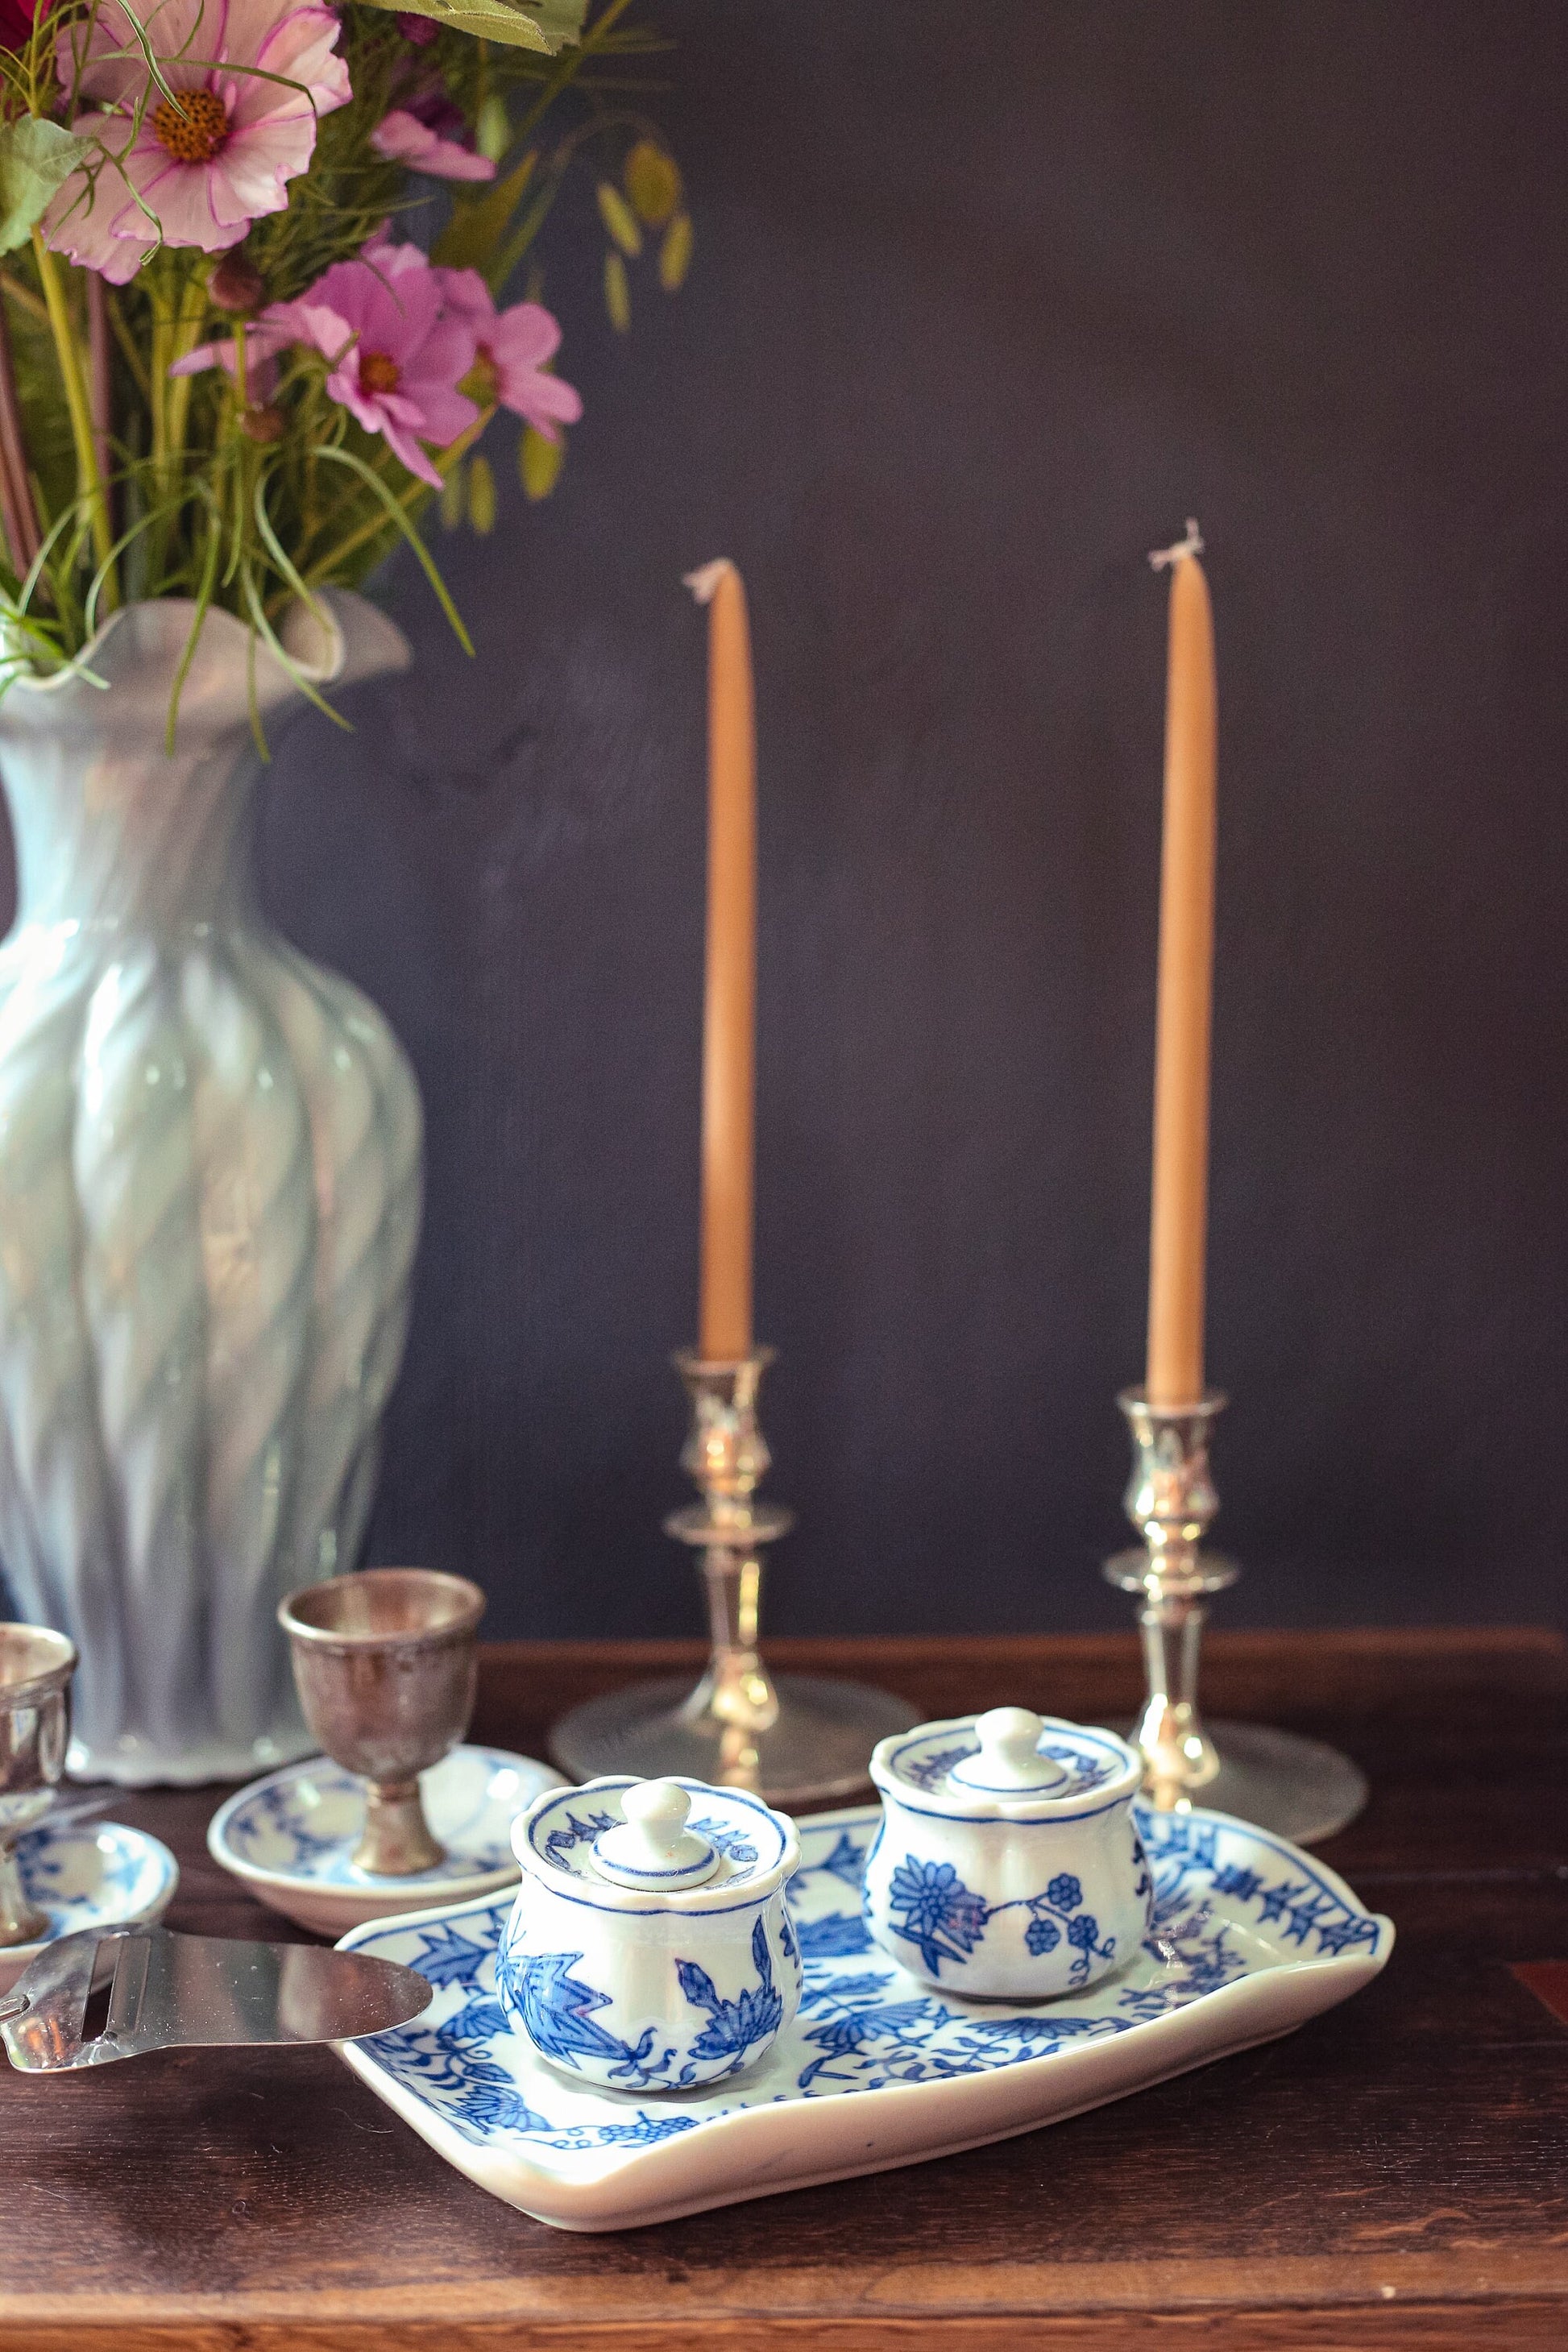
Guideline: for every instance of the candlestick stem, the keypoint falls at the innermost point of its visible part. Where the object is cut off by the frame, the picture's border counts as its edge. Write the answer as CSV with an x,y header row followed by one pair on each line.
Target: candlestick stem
x,y
794,1739
1294,1786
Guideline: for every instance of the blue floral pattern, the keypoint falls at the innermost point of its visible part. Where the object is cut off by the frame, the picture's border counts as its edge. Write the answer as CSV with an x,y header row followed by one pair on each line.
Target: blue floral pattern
x,y
859,2028
945,1921
305,1820
94,1875
927,1768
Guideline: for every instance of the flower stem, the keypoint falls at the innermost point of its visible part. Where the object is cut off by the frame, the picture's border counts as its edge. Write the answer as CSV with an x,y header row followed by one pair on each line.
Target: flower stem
x,y
15,490
67,350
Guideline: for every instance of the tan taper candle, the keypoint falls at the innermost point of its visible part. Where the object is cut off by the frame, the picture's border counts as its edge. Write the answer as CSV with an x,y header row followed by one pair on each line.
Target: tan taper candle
x,y
1179,1216
729,1009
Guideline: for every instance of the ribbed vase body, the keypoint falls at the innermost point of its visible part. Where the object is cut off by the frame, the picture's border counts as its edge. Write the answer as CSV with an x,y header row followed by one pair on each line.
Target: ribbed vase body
x,y
210,1170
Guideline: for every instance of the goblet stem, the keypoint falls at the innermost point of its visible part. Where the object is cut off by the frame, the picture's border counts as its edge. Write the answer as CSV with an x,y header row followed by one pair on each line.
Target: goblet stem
x,y
397,1840
21,1922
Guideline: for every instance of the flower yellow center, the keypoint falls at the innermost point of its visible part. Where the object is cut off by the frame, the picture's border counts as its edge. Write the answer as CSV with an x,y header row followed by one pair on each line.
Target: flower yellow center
x,y
378,372
194,130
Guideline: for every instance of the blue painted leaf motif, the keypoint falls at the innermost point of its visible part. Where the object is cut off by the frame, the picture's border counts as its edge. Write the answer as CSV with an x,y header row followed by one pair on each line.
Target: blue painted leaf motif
x,y
936,1905
834,1937
734,2026
731,1843
847,1860
448,1958
556,2007
928,1772
787,1942
575,1833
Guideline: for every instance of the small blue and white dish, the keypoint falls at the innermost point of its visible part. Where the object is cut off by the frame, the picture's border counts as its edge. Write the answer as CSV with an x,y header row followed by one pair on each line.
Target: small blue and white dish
x,y
1008,1864
649,1948
88,1874
291,1837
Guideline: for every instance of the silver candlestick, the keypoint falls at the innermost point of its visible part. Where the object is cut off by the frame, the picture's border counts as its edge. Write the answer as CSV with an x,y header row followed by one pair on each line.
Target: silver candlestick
x,y
1298,1788
793,1738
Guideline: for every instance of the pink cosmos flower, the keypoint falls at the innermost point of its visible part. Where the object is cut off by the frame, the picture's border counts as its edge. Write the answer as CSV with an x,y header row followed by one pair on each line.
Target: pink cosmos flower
x,y
396,353
401,138
510,351
251,77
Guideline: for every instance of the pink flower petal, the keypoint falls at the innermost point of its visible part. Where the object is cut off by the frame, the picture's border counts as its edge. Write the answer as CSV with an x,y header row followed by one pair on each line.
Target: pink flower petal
x,y
524,336
403,139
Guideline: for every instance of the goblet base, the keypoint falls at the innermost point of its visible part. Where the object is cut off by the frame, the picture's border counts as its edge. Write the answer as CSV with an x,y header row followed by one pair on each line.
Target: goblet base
x,y
1300,1789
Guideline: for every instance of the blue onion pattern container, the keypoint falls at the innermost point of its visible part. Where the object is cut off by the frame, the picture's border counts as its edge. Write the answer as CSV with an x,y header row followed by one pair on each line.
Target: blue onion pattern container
x,y
1007,1864
649,1948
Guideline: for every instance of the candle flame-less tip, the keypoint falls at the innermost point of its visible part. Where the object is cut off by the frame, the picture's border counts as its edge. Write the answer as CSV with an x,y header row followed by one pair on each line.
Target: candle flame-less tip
x,y
1191,545
704,581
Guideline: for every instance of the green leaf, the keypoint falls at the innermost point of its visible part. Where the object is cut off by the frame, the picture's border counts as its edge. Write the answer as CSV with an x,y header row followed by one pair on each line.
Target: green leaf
x,y
548,25
675,253
454,498
479,222
482,495
620,221
35,158
539,462
618,293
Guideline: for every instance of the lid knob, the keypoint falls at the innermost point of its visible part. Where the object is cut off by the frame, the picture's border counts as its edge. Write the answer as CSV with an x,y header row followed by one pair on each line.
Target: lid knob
x,y
1009,1762
652,1847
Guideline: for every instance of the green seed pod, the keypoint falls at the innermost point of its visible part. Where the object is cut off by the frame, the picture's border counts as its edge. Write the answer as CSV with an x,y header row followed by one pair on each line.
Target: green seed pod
x,y
620,221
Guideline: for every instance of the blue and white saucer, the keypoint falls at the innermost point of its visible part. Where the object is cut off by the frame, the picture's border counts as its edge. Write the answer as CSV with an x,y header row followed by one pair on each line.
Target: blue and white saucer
x,y
291,1837
90,1875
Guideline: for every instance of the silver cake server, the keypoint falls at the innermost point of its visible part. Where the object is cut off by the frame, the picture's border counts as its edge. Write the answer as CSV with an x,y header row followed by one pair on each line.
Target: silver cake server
x,y
167,1991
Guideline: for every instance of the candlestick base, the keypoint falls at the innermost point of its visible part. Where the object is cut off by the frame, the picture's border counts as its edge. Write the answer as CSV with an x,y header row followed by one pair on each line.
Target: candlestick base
x,y
817,1746
1297,1788
793,1742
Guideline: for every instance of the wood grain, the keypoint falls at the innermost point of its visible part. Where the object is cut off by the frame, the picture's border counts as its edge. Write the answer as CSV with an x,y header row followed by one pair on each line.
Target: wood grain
x,y
1396,2173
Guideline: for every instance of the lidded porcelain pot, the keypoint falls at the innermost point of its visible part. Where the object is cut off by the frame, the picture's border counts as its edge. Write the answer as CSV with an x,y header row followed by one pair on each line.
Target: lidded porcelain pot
x,y
1007,1862
649,1948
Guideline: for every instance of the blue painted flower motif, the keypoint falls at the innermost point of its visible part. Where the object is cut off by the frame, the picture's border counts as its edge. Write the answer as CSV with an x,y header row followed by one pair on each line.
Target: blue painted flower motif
x,y
734,2027
1042,1935
1083,1931
1065,1893
935,1905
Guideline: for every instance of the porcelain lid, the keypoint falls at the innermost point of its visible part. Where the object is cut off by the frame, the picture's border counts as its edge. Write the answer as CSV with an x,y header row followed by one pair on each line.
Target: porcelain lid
x,y
656,1845
1007,1765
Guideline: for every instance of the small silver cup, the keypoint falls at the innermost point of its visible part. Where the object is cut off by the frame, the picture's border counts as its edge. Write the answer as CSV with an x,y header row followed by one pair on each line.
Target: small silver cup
x,y
36,1668
384,1665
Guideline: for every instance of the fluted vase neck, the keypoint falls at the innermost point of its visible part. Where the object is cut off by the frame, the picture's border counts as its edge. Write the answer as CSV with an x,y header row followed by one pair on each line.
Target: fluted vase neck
x,y
116,829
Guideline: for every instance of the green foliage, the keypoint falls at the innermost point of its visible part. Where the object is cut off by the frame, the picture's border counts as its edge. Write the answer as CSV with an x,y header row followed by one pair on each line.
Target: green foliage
x,y
539,462
546,25
36,157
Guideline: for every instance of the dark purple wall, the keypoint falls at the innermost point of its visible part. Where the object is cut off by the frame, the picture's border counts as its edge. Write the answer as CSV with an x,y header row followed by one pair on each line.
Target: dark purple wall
x,y
973,322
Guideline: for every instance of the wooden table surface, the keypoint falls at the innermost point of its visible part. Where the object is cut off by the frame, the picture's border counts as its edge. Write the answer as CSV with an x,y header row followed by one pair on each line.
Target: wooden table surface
x,y
1395,2173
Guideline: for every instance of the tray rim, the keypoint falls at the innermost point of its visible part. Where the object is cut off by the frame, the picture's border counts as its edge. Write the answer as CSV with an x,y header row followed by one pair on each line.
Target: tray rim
x,y
998,2102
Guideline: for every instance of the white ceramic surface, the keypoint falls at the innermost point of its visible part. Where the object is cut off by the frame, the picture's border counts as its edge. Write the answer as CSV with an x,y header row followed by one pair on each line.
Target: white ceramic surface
x,y
291,1836
1250,1937
209,1199
1008,1865
680,1970
90,1875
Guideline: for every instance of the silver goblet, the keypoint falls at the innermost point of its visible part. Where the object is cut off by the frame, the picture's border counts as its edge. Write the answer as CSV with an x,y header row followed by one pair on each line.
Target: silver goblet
x,y
386,1666
36,1668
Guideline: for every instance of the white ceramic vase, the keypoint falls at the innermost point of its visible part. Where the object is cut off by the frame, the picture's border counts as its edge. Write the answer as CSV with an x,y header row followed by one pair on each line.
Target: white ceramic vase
x,y
210,1174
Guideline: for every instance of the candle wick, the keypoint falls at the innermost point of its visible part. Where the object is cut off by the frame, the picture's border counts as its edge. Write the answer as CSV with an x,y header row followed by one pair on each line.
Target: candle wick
x,y
704,581
1159,557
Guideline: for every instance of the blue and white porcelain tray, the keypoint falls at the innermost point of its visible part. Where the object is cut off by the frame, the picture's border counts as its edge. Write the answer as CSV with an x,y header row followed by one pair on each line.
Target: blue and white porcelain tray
x,y
90,1875
1249,1938
291,1837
